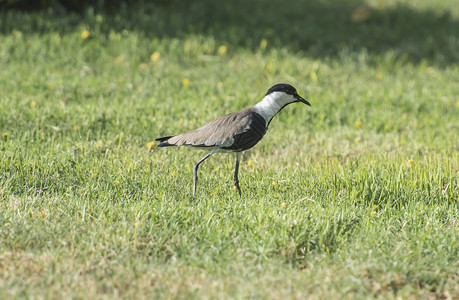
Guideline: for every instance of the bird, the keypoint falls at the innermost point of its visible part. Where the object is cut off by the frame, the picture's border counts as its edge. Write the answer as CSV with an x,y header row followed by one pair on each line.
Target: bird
x,y
238,131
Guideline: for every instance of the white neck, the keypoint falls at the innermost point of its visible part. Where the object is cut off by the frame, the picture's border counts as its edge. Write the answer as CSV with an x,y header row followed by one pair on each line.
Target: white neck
x,y
272,104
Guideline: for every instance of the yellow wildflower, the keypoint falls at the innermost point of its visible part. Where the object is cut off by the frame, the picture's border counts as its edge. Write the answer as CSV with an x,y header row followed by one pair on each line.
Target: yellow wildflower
x,y
269,67
273,183
358,124
137,224
150,145
33,104
117,182
185,82
409,163
379,76
85,34
155,56
234,187
358,139
283,204
250,163
457,103
222,49
75,127
374,213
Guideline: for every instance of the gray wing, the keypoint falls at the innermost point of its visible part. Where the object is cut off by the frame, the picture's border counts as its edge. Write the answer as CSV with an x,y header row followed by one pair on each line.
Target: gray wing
x,y
221,132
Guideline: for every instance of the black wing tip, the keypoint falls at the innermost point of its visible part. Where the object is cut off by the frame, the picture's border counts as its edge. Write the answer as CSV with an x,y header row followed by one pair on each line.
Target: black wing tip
x,y
164,145
163,141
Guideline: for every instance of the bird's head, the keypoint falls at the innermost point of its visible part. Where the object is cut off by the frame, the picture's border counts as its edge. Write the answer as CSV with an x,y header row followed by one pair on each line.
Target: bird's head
x,y
285,93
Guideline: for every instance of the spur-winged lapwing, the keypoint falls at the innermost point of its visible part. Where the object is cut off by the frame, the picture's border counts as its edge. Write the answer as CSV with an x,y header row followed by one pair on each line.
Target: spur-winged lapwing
x,y
238,131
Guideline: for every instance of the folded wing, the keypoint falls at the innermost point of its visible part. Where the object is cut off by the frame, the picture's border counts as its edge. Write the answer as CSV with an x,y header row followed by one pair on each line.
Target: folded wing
x,y
236,131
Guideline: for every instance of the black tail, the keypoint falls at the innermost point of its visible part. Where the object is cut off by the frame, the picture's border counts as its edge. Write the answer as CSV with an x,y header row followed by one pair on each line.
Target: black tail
x,y
163,141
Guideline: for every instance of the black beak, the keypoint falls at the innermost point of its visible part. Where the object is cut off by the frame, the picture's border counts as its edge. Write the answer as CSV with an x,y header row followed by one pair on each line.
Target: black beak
x,y
300,99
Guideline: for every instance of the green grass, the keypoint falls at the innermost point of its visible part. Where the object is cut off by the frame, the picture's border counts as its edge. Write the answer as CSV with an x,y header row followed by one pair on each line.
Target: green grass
x,y
355,197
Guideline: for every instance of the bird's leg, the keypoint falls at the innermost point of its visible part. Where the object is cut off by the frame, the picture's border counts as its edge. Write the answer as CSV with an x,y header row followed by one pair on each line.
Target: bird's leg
x,y
195,169
236,171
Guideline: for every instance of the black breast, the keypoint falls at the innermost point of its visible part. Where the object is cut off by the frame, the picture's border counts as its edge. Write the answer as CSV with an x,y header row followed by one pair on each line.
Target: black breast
x,y
249,138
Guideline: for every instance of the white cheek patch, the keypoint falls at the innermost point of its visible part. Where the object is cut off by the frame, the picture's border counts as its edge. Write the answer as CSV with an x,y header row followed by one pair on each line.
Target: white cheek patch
x,y
272,104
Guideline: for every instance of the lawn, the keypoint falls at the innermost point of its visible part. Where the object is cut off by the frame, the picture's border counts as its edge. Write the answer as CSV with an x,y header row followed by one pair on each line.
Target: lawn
x,y
355,197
